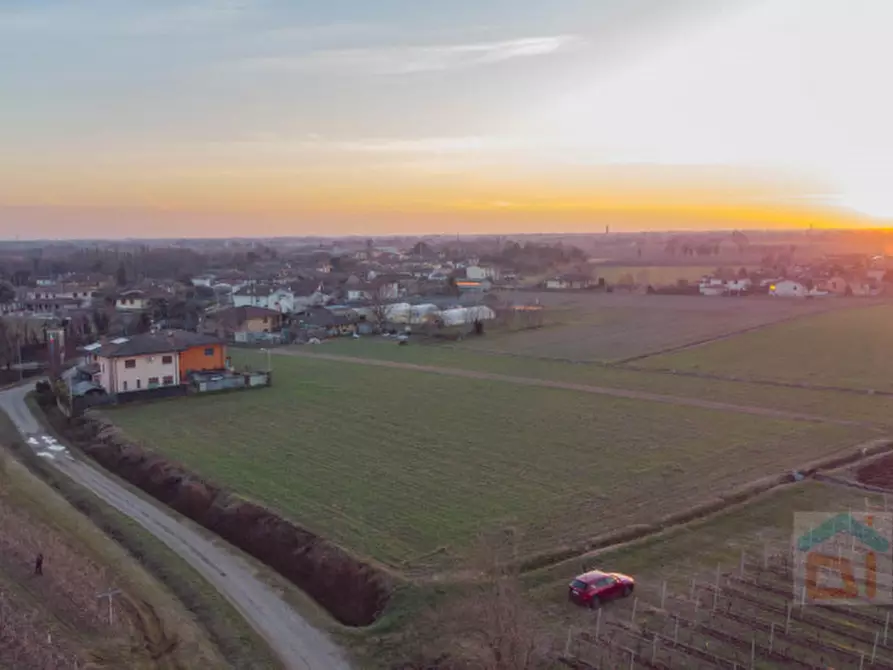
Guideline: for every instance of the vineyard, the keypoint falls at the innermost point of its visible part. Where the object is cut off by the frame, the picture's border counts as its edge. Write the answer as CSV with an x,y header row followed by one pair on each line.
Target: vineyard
x,y
755,616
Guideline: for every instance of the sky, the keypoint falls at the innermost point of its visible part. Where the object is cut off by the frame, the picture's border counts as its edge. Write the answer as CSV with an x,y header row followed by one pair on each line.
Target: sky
x,y
158,118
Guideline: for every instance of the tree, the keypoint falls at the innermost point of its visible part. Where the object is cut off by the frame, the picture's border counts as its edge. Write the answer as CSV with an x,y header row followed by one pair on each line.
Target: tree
x,y
7,293
100,322
144,323
121,276
494,627
378,304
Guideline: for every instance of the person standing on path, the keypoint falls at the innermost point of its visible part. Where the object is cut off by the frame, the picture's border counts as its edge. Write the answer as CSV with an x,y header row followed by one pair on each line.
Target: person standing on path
x,y
38,565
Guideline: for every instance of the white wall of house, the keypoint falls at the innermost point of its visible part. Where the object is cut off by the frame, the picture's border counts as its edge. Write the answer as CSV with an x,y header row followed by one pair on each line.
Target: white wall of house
x,y
789,289
117,376
247,300
281,300
480,272
316,298
131,303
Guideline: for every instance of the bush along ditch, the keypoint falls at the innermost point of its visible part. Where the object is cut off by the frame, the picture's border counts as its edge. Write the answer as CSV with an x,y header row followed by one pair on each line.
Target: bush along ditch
x,y
353,592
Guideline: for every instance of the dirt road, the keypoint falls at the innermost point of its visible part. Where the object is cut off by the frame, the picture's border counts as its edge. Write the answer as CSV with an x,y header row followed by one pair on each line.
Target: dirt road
x,y
582,388
296,642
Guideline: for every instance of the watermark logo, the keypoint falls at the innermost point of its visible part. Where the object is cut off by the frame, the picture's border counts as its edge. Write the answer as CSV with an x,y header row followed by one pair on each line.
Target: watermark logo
x,y
843,558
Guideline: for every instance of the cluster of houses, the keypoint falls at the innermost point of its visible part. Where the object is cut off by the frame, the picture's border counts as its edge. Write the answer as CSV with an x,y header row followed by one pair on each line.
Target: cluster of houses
x,y
832,276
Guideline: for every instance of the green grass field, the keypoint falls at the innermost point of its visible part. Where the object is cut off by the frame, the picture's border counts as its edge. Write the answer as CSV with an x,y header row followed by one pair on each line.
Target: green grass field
x,y
875,409
696,549
398,464
845,349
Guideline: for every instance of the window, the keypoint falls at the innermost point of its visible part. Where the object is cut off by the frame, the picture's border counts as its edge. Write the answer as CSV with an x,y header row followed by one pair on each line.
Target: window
x,y
167,360
265,320
139,384
124,386
130,363
168,380
209,351
153,381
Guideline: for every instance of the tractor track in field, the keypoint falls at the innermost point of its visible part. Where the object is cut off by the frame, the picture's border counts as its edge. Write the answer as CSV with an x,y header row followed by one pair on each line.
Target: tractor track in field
x,y
583,388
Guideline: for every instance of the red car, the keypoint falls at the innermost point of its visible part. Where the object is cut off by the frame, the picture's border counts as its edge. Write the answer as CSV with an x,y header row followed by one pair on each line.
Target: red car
x,y
596,587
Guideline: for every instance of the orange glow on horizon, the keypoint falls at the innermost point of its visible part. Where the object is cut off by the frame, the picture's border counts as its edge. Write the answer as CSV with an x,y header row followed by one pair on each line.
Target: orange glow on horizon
x,y
363,199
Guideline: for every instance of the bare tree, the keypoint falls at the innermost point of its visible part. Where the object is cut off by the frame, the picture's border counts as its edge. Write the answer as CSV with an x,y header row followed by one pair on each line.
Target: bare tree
x,y
498,629
378,304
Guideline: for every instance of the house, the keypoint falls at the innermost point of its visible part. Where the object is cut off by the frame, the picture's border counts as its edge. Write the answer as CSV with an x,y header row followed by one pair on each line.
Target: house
x,y
153,360
233,321
377,289
568,281
203,280
77,293
851,286
739,286
133,300
479,272
712,286
309,293
322,319
789,288
473,285
50,305
265,295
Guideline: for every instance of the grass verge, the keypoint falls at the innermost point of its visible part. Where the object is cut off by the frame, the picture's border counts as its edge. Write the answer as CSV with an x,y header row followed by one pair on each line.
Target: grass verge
x,y
237,642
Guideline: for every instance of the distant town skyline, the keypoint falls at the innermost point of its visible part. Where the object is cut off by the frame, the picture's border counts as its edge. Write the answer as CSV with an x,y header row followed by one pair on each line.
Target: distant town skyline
x,y
215,118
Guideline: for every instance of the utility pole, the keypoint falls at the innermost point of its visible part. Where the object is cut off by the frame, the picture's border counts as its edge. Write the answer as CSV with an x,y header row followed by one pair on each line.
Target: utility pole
x,y
110,594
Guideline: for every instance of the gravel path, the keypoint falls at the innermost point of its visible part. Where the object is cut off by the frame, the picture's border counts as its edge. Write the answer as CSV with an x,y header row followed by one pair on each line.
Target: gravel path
x,y
298,645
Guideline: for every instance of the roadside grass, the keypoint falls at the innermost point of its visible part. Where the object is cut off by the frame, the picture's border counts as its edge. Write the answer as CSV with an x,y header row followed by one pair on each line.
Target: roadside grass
x,y
832,404
213,633
694,550
847,349
407,468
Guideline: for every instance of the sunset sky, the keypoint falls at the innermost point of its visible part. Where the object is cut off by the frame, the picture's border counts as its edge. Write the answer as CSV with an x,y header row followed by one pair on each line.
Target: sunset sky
x,y
295,117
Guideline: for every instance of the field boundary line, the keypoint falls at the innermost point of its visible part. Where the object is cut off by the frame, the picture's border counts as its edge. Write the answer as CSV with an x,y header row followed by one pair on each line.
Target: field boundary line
x,y
583,388
777,383
743,331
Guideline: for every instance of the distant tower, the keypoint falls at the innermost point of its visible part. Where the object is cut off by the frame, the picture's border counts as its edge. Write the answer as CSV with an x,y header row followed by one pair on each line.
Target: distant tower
x,y
607,229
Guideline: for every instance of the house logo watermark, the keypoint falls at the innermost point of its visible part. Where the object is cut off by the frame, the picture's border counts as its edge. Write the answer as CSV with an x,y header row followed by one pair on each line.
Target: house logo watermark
x,y
843,558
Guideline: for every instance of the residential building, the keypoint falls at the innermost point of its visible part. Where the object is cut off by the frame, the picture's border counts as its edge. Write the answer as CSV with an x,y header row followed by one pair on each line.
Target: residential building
x,y
153,360
133,300
203,280
265,295
309,293
568,281
473,285
373,290
81,293
788,288
232,321
479,272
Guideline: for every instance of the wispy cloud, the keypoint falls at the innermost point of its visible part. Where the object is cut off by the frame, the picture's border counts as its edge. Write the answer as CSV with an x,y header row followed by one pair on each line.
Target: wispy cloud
x,y
416,59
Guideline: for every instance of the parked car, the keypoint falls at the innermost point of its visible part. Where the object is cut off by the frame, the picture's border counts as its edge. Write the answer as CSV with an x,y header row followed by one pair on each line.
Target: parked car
x,y
596,587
